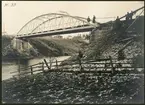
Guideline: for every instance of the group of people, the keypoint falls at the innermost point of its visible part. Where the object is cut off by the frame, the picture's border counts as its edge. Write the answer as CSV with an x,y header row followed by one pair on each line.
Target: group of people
x,y
117,21
94,19
118,24
129,16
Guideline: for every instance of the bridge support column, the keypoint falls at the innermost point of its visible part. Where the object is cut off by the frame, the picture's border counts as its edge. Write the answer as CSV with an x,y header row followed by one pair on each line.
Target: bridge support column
x,y
17,44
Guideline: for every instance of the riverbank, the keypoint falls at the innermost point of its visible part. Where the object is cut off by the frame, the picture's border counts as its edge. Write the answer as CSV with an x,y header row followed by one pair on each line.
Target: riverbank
x,y
11,65
43,47
65,88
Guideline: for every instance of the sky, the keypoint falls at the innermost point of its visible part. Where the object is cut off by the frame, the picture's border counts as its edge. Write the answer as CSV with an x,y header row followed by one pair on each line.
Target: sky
x,y
15,14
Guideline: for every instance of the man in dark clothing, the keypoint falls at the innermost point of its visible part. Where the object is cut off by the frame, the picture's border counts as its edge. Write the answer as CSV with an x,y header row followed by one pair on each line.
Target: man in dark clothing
x,y
79,59
138,61
80,54
121,55
118,20
88,19
131,15
127,16
117,24
94,19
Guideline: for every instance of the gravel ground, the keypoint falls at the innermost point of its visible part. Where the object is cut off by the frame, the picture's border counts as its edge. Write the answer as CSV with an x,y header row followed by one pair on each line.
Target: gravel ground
x,y
75,89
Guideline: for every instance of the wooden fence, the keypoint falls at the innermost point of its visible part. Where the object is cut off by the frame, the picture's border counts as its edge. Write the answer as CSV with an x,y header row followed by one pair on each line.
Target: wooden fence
x,y
107,65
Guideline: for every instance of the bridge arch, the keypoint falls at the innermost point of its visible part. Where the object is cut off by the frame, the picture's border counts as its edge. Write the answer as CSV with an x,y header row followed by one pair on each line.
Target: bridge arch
x,y
53,21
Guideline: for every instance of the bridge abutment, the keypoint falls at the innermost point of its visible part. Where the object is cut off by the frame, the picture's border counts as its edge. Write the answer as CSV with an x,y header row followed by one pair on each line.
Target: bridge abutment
x,y
20,45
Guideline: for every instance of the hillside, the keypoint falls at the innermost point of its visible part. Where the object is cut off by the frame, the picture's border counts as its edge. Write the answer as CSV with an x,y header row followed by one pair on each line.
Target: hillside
x,y
107,42
43,47
6,40
57,46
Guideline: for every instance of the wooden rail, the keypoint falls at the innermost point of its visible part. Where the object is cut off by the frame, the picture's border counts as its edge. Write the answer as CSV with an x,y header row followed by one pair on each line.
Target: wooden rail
x,y
108,65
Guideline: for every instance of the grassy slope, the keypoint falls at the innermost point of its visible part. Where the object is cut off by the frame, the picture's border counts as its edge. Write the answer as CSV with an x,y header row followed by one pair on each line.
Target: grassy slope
x,y
6,40
56,46
105,45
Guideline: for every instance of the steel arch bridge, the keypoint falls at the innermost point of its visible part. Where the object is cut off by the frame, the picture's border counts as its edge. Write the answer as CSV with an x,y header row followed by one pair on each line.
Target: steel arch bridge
x,y
55,24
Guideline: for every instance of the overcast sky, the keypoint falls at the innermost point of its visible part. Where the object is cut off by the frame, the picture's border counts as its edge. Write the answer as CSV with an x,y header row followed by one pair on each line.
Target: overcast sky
x,y
15,15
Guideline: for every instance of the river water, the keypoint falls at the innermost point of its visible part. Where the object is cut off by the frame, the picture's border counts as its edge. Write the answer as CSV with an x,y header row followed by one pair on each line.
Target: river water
x,y
11,66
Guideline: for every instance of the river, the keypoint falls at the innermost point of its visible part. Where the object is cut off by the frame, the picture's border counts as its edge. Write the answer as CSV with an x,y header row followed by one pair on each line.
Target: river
x,y
11,66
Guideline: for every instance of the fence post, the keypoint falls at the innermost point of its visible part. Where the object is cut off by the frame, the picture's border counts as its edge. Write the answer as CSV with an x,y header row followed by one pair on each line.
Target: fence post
x,y
43,67
80,63
19,67
90,67
105,68
46,64
111,64
31,70
56,64
14,78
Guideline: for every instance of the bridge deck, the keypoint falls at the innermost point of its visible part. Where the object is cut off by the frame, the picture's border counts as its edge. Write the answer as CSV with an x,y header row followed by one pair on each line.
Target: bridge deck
x,y
58,32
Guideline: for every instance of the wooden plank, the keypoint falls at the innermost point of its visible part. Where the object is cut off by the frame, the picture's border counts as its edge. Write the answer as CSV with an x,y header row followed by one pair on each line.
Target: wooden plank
x,y
29,67
56,64
43,67
87,67
57,70
94,71
111,64
46,64
100,63
31,70
129,42
19,65
37,64
119,72
23,73
59,66
85,61
89,71
127,39
25,69
93,62
27,72
14,72
102,59
126,45
88,60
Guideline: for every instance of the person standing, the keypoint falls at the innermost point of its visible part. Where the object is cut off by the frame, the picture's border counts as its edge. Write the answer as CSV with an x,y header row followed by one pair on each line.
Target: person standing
x,y
117,24
127,16
131,15
94,19
88,19
80,55
121,55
